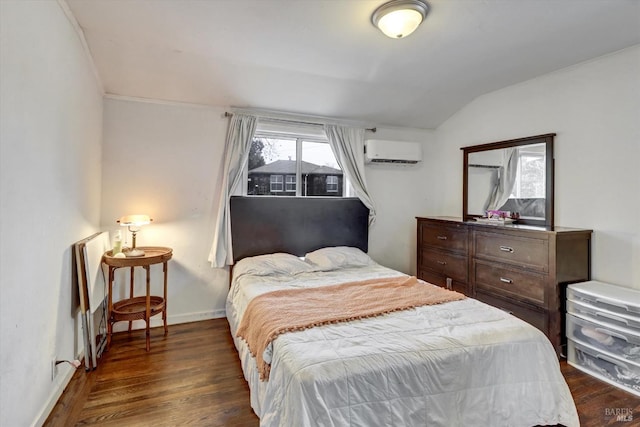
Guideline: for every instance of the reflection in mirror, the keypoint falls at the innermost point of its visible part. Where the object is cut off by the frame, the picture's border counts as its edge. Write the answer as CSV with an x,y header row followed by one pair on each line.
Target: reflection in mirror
x,y
514,176
509,179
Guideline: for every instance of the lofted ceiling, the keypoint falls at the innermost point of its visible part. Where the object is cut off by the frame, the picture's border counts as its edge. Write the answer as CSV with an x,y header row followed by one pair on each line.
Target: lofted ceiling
x,y
325,58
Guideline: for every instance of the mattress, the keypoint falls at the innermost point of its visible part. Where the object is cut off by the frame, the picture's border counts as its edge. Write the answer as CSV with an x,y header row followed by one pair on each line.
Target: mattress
x,y
461,363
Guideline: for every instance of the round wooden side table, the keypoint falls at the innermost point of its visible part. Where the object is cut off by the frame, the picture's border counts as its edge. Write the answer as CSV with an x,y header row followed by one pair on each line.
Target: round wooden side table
x,y
141,307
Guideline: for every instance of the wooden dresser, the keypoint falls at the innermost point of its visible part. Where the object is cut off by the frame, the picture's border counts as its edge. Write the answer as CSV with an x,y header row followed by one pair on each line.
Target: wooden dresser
x,y
521,269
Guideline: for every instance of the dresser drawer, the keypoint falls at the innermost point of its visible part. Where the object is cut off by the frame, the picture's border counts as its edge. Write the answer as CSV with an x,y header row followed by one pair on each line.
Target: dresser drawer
x,y
511,283
445,263
611,369
451,238
523,251
618,342
535,317
601,315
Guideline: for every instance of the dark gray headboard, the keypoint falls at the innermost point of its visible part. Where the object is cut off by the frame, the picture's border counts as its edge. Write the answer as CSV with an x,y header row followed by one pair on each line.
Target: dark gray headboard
x,y
296,225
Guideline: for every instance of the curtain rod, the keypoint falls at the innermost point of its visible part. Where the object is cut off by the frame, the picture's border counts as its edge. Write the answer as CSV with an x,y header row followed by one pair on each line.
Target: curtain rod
x,y
228,114
484,166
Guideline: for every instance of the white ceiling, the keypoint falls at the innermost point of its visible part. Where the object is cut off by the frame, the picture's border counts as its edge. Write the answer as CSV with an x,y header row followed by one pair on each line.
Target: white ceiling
x,y
324,57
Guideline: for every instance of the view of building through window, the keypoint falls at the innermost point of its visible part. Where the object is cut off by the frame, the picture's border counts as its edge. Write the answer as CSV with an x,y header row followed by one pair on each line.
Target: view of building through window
x,y
293,167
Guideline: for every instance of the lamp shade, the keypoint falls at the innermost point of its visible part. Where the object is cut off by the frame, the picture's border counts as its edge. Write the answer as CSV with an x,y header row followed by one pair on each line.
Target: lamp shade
x,y
399,18
134,220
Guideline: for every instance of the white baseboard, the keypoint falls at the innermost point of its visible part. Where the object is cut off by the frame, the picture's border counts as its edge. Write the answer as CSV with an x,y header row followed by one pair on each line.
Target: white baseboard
x,y
156,321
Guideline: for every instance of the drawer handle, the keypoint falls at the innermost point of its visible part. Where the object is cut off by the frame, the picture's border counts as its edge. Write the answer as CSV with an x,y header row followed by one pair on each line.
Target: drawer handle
x,y
611,333
442,237
611,317
612,360
613,303
505,280
442,262
506,249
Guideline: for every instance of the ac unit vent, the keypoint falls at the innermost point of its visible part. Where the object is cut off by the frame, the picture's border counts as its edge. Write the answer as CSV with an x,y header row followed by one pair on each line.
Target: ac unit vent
x,y
405,162
379,151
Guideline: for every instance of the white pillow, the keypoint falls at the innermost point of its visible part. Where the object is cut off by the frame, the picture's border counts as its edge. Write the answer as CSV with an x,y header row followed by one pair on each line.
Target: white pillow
x,y
271,264
336,257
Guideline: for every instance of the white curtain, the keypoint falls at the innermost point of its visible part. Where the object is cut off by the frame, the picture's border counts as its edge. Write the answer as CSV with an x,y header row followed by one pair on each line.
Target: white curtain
x,y
348,147
242,127
506,180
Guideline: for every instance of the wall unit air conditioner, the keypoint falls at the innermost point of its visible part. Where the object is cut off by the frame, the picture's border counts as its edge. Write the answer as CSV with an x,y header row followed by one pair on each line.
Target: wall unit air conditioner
x,y
379,151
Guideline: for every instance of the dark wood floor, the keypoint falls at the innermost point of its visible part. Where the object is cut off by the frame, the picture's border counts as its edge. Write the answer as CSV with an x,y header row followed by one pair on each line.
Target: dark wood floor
x,y
190,377
193,377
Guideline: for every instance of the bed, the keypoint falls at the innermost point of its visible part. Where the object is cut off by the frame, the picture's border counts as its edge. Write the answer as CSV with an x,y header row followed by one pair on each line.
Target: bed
x,y
458,363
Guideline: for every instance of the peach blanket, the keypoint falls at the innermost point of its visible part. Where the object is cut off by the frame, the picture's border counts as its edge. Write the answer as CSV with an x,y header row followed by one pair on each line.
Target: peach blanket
x,y
274,313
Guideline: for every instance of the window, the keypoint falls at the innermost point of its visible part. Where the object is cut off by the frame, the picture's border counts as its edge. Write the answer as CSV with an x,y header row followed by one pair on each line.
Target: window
x,y
530,180
291,183
276,183
332,183
298,162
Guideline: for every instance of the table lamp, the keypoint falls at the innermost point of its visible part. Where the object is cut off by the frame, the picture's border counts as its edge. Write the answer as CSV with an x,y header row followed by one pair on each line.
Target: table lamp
x,y
134,222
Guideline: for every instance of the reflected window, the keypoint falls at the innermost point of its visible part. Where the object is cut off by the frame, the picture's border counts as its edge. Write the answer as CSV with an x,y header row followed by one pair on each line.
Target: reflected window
x,y
530,181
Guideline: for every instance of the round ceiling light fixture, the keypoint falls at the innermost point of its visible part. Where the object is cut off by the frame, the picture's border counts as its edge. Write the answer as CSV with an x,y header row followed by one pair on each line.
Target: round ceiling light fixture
x,y
399,18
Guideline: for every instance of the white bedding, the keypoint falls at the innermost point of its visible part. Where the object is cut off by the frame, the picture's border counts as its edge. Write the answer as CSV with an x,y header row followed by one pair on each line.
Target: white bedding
x,y
461,363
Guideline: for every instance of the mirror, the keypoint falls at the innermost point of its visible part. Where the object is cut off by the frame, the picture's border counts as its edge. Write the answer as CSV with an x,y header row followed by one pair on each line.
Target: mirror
x,y
514,176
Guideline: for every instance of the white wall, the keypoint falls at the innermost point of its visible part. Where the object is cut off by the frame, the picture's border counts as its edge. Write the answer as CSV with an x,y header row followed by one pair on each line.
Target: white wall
x,y
164,159
594,108
50,142
400,195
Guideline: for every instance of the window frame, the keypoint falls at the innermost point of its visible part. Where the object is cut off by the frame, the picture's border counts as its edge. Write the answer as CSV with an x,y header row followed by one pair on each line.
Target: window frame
x,y
299,138
516,193
271,183
336,183
288,183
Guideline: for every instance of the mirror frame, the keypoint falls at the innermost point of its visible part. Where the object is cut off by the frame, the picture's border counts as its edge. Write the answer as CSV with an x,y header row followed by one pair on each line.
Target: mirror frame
x,y
546,139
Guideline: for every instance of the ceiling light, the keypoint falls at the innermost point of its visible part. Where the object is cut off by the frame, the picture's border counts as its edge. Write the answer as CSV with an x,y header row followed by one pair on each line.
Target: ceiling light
x,y
399,18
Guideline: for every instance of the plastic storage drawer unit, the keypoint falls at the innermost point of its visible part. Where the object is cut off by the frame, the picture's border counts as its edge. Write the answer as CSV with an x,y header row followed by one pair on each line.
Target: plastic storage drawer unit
x,y
612,370
603,331
616,342
604,316
608,297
